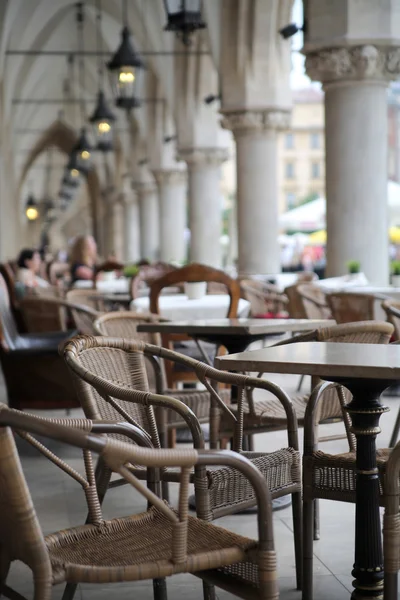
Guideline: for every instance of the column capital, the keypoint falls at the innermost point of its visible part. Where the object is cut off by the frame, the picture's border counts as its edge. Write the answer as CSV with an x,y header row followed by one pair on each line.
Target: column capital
x,y
144,187
203,156
245,121
170,176
354,63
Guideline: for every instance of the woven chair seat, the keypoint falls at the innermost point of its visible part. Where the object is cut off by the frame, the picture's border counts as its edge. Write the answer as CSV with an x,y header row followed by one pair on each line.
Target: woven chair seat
x,y
228,487
124,550
334,475
267,408
198,401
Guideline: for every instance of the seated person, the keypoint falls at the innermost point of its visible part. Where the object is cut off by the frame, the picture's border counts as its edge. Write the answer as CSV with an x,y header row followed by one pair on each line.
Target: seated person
x,y
27,278
82,258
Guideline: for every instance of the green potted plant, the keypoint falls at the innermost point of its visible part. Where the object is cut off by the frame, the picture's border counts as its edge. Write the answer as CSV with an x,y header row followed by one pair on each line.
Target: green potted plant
x,y
395,269
131,270
353,267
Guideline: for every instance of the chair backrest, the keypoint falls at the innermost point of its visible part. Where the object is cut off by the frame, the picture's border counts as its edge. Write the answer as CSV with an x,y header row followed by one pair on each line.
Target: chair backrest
x,y
8,328
347,307
193,273
106,267
392,310
263,297
295,303
9,279
92,359
314,301
147,274
123,324
360,332
86,297
41,315
21,537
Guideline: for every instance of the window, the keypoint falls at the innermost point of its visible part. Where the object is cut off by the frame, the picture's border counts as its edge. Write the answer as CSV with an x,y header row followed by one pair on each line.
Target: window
x,y
315,141
289,141
289,170
290,199
315,170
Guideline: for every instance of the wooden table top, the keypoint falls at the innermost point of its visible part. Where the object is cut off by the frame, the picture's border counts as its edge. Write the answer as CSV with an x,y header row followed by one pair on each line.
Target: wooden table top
x,y
236,326
323,359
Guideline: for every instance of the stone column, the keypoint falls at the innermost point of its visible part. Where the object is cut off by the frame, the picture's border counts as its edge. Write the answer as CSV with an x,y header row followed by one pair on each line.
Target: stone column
x,y
356,132
132,226
149,221
172,192
118,230
256,135
205,204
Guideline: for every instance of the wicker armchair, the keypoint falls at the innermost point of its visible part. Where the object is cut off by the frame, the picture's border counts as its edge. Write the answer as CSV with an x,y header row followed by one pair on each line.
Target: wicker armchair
x,y
264,298
124,325
155,544
332,477
34,373
51,314
108,372
391,520
392,310
314,301
348,307
88,297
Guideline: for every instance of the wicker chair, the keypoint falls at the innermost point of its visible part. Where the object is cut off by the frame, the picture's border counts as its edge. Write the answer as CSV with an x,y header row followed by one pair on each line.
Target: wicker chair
x,y
261,415
51,314
264,298
295,305
349,307
34,373
332,477
147,274
88,297
154,544
391,520
392,310
314,301
124,325
108,372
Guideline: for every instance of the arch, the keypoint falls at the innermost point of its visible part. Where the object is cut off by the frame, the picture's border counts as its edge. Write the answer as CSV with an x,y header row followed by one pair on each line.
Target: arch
x,y
59,134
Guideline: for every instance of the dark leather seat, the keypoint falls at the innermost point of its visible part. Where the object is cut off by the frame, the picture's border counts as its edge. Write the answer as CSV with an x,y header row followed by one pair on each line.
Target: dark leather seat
x,y
35,374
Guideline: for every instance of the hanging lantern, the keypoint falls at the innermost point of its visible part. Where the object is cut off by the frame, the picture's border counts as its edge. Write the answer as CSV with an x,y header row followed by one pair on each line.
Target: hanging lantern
x,y
31,209
102,119
125,66
83,152
184,18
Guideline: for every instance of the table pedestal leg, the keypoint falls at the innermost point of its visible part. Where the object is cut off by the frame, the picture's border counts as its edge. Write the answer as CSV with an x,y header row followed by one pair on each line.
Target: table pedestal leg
x,y
365,410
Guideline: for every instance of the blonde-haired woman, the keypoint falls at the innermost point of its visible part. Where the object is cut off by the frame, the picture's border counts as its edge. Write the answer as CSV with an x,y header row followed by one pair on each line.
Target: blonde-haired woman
x,y
82,258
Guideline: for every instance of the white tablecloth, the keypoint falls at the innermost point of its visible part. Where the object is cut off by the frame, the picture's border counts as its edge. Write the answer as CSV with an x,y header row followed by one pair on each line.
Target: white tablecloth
x,y
178,307
114,286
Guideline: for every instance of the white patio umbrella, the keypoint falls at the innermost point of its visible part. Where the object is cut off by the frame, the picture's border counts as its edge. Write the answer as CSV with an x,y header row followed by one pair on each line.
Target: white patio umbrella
x,y
312,216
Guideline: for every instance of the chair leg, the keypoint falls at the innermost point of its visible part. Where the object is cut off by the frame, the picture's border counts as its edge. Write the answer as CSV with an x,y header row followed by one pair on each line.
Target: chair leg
x,y
171,438
308,522
300,383
390,586
160,589
395,433
69,591
316,527
208,591
298,537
